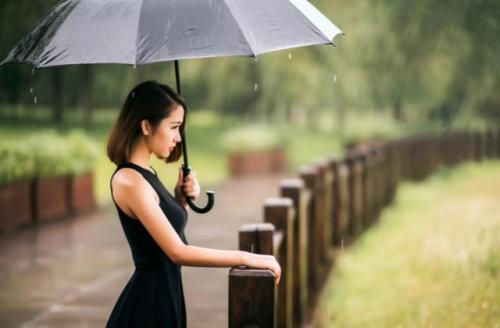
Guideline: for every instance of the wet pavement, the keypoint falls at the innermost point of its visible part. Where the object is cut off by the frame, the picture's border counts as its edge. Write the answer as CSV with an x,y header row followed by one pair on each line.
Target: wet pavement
x,y
70,273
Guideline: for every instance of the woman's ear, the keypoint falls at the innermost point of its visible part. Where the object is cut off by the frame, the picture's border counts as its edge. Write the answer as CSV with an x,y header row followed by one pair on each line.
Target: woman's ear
x,y
145,127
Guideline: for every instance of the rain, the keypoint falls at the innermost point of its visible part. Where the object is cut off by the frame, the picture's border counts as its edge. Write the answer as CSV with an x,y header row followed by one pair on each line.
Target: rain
x,y
402,70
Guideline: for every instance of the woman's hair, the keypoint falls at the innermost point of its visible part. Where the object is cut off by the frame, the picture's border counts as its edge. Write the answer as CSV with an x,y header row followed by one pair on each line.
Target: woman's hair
x,y
149,101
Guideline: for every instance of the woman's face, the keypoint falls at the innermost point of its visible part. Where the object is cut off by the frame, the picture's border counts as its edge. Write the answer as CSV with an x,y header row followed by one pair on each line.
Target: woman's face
x,y
167,134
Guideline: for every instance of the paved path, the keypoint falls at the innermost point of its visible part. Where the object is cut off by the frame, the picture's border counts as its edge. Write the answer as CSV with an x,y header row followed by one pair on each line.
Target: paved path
x,y
70,273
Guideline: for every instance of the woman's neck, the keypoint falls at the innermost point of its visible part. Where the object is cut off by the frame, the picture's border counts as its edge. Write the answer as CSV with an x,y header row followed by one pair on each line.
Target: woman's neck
x,y
140,154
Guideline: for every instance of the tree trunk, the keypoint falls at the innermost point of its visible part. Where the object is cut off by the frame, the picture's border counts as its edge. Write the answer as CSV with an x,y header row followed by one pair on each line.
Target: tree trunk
x,y
86,95
397,108
57,95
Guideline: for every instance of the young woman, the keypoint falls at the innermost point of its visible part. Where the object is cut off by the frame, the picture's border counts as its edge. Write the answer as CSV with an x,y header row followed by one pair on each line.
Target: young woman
x,y
153,220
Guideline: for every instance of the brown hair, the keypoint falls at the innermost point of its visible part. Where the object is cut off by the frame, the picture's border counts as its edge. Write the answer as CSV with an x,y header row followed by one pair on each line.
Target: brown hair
x,y
149,101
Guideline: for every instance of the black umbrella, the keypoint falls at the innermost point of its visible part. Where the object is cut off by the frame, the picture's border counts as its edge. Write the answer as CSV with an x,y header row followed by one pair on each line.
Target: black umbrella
x,y
139,32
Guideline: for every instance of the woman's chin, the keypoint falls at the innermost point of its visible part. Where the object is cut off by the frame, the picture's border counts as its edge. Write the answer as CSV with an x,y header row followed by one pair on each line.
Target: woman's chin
x,y
162,157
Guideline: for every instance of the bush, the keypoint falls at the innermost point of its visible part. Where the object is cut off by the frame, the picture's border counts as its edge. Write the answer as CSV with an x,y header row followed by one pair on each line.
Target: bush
x,y
51,157
47,154
257,137
82,153
16,162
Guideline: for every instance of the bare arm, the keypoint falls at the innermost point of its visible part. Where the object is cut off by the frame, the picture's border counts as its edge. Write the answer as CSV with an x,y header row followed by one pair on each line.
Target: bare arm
x,y
141,201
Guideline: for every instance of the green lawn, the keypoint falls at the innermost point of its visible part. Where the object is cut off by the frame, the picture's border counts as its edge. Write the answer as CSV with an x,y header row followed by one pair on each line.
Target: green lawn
x,y
433,260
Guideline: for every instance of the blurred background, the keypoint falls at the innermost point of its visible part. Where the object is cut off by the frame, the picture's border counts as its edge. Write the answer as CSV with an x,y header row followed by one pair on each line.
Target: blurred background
x,y
403,68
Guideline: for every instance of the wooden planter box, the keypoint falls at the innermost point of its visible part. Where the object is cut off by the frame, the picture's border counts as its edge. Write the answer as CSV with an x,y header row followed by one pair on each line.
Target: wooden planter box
x,y
257,162
15,205
51,198
81,188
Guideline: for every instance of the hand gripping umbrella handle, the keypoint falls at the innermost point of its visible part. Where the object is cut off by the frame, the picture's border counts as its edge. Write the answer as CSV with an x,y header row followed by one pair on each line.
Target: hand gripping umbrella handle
x,y
210,194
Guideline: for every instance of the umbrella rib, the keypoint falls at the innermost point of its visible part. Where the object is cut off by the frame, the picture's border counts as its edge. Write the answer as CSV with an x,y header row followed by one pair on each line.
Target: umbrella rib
x,y
295,4
254,53
137,34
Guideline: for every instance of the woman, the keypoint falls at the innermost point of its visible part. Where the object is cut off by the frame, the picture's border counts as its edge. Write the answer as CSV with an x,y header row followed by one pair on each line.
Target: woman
x,y
153,220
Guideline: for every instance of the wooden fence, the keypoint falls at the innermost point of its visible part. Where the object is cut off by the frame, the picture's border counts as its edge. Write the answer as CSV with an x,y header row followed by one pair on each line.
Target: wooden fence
x,y
326,207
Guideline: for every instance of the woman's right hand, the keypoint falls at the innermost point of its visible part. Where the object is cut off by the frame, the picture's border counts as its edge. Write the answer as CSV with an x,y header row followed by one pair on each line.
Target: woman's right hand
x,y
259,261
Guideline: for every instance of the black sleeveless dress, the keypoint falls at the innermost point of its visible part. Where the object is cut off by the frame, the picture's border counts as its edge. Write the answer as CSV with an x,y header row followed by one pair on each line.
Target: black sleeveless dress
x,y
153,297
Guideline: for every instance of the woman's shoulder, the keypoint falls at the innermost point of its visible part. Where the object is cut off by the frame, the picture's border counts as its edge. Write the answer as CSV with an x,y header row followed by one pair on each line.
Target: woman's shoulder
x,y
127,182
126,177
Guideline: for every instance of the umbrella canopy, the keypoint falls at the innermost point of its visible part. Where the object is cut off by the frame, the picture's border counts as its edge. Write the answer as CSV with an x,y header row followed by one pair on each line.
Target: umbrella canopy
x,y
147,31
138,32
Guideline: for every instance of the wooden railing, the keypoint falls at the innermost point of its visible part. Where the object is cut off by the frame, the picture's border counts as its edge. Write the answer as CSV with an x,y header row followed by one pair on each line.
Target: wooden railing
x,y
326,207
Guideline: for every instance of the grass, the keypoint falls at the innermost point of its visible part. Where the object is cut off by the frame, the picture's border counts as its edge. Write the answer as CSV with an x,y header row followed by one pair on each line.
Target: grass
x,y
431,261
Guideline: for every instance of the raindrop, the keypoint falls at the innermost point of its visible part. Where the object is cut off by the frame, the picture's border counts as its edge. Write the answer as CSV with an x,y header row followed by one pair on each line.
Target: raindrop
x,y
255,58
255,87
135,66
290,56
31,90
334,78
33,71
35,100
342,244
133,94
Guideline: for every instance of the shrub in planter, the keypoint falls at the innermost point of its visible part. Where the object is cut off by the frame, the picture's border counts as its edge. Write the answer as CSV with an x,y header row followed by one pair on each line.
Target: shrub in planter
x,y
16,171
51,183
64,175
254,149
83,155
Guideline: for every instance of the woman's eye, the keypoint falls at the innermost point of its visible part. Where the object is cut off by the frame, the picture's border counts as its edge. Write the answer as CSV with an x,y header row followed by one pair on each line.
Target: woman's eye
x,y
175,127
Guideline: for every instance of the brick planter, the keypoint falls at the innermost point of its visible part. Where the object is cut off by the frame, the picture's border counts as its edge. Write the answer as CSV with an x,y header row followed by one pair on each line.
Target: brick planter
x,y
82,198
257,162
51,198
15,205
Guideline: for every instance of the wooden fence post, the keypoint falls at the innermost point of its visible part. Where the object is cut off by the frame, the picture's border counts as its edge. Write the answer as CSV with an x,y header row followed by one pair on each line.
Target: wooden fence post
x,y
326,179
497,151
335,197
280,212
295,190
355,196
309,174
341,222
367,181
252,292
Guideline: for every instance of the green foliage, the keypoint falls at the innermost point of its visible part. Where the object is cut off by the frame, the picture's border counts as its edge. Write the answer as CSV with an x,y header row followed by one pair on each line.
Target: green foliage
x,y
47,154
16,162
82,152
50,154
59,155
419,61
255,137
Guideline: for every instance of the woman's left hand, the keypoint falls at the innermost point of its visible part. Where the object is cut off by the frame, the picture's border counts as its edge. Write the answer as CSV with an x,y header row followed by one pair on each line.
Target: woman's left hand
x,y
190,187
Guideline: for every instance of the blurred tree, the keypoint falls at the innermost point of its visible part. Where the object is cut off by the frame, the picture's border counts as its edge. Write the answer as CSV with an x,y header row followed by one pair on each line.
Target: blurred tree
x,y
86,94
417,60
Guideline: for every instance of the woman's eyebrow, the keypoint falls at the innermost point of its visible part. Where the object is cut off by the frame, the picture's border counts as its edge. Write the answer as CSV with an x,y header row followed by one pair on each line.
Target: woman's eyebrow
x,y
176,122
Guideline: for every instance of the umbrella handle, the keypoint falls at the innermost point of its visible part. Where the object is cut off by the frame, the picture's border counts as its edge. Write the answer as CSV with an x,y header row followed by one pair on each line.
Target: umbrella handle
x,y
210,194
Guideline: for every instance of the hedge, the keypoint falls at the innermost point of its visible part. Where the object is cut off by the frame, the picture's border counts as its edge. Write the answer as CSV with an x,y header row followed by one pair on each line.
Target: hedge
x,y
47,154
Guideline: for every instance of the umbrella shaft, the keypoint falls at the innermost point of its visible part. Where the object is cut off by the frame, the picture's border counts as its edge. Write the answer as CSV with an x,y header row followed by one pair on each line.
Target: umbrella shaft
x,y
183,136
